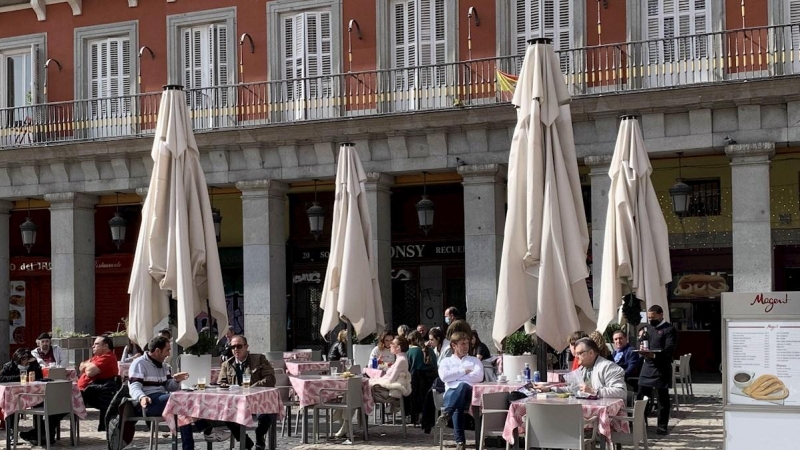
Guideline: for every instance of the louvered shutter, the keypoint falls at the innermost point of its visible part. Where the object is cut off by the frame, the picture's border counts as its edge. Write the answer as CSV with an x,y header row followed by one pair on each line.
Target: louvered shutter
x,y
673,21
36,62
405,40
544,18
794,18
294,53
312,56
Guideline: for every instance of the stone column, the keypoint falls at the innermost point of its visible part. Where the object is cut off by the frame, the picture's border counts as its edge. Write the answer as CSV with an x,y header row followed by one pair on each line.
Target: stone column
x,y
379,194
484,223
264,251
5,237
72,260
752,232
601,183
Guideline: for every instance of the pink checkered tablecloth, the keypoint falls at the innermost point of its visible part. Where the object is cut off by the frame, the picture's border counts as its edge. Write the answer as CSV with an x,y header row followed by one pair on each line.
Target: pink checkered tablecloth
x,y
296,368
291,356
308,389
491,387
603,408
230,405
15,397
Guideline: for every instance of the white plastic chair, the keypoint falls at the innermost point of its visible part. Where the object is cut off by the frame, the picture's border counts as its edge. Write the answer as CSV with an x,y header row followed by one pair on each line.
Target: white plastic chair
x,y
57,373
285,388
557,426
638,424
494,410
438,401
57,400
352,399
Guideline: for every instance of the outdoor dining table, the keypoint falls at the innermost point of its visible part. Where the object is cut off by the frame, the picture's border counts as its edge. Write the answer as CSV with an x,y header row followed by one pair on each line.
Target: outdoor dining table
x,y
307,388
16,396
235,404
604,408
296,368
303,356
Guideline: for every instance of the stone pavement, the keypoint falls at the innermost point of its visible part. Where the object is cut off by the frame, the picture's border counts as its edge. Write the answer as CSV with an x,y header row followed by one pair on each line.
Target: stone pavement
x,y
696,426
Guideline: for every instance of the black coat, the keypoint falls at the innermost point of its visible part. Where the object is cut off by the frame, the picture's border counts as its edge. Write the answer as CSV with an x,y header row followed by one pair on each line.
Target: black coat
x,y
10,371
657,372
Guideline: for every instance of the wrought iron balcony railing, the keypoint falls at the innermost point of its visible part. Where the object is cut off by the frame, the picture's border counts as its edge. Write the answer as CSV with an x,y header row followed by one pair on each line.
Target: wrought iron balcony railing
x,y
743,54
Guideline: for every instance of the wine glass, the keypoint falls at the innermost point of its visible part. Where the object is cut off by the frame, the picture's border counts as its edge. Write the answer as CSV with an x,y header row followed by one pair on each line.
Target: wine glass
x,y
347,363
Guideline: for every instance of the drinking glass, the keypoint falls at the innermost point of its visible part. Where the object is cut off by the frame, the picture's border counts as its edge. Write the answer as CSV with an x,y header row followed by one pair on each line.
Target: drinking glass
x,y
246,380
334,371
201,383
347,363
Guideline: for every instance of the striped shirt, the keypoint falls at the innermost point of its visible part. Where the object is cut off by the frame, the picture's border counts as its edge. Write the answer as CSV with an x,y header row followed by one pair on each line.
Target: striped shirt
x,y
148,376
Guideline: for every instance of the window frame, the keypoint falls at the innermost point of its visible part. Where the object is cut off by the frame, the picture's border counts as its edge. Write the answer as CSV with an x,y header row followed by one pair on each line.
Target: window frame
x,y
21,44
277,10
384,41
695,183
84,35
506,36
175,25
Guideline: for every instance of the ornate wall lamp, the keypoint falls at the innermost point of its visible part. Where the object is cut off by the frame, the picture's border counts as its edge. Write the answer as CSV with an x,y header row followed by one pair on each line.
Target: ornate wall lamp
x,y
139,69
241,53
46,66
472,14
353,23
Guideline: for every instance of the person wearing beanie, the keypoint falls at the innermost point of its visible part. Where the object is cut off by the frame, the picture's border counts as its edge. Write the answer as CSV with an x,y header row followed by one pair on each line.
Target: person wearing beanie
x,y
47,354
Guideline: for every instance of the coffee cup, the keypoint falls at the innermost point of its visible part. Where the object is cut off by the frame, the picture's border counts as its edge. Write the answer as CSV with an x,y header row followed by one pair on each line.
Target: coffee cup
x,y
743,379
519,378
502,378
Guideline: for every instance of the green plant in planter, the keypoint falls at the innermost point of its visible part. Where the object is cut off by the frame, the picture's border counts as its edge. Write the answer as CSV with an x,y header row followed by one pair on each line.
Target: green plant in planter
x,y
74,334
612,328
519,343
206,342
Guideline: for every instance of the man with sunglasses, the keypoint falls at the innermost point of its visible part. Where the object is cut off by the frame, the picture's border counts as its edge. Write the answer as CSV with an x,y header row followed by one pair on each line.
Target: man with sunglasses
x,y
599,376
261,375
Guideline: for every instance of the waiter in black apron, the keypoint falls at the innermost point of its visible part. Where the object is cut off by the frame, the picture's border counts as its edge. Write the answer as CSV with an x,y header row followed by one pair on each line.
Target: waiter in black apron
x,y
656,372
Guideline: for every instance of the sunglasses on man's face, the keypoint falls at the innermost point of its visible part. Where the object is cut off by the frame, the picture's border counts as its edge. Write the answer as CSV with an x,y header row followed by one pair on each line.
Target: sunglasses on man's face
x,y
237,346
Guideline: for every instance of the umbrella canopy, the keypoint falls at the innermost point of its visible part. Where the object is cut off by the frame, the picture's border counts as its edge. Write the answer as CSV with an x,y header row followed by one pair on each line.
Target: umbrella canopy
x,y
177,248
636,242
543,264
351,291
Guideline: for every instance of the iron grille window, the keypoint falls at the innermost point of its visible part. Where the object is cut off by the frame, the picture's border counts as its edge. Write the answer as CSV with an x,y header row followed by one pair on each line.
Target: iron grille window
x,y
705,199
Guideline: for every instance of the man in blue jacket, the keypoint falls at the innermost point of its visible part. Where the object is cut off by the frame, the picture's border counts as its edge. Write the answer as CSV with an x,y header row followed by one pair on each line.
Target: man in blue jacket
x,y
625,357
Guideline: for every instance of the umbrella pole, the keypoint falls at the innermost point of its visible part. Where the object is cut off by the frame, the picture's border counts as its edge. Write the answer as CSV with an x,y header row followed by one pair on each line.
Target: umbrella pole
x,y
349,339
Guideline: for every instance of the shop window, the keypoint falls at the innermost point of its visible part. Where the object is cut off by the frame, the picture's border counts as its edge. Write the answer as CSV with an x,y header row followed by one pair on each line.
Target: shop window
x,y
705,199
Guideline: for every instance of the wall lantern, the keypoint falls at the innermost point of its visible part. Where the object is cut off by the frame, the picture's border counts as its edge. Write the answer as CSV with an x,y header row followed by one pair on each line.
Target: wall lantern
x,y
316,215
117,224
28,230
681,193
425,207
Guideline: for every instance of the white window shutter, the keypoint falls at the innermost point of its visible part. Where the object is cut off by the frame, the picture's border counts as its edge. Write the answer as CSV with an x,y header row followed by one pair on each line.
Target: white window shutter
x,y
36,62
794,18
544,18
221,57
94,70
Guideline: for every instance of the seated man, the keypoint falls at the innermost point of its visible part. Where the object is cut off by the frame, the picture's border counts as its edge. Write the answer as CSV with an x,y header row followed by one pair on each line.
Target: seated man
x,y
625,357
46,353
97,381
458,373
151,382
22,362
600,376
261,374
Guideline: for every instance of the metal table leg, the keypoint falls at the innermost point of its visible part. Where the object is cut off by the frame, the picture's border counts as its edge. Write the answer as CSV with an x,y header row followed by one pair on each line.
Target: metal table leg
x,y
273,435
304,425
174,435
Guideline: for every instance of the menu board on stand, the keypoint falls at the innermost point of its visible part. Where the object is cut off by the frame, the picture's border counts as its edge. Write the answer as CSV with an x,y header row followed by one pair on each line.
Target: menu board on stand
x,y
16,312
761,369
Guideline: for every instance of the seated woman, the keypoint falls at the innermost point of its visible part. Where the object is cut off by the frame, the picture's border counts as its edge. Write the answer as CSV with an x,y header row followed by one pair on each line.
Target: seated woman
x,y
478,349
131,352
339,348
392,386
436,342
381,351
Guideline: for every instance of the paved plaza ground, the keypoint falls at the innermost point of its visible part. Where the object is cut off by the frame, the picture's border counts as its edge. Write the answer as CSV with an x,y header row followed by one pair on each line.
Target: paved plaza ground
x,y
696,426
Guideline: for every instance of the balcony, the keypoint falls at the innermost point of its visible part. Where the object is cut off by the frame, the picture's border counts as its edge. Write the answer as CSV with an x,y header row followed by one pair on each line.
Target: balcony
x,y
710,58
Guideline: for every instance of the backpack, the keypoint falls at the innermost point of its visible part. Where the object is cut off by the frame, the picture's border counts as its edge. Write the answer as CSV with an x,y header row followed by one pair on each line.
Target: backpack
x,y
119,432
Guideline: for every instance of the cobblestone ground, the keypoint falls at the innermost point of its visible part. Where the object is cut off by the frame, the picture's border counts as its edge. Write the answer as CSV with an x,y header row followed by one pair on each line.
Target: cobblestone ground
x,y
695,426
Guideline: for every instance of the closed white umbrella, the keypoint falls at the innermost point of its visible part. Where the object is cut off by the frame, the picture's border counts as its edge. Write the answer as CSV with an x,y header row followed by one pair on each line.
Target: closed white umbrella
x,y
543,267
177,249
351,290
636,241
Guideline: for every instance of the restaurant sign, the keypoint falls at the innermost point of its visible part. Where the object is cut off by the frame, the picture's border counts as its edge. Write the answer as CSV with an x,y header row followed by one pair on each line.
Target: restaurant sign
x,y
405,252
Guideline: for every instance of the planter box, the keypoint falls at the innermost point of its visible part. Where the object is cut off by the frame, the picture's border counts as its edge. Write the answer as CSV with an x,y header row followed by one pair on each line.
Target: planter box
x,y
73,342
119,341
513,365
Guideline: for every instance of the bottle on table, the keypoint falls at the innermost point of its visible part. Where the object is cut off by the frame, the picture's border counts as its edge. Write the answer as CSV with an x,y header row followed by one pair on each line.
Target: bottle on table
x,y
527,373
31,376
537,377
644,340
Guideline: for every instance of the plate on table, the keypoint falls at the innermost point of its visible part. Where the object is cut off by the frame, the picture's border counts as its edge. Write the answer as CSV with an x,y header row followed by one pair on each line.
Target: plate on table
x,y
502,381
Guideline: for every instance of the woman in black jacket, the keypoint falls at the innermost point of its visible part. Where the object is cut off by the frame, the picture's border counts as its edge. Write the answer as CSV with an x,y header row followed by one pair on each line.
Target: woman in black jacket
x,y
22,362
339,348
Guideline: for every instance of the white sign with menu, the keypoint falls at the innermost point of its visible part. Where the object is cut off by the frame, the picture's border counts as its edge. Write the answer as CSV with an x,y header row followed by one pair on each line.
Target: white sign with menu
x,y
763,363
